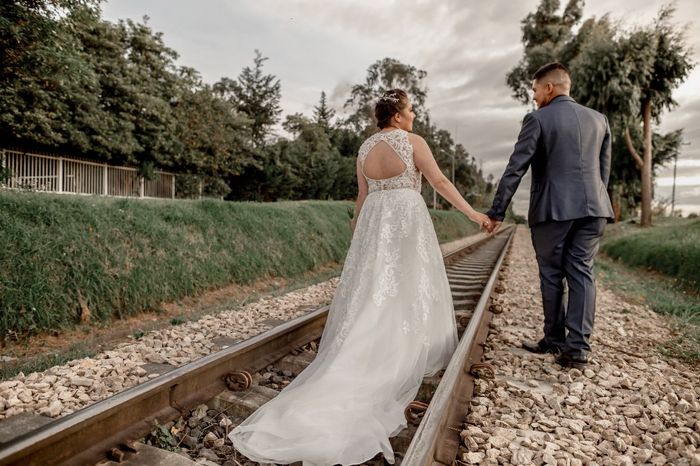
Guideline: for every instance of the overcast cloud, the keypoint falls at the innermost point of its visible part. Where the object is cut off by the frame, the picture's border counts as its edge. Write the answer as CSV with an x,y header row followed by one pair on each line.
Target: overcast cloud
x,y
466,47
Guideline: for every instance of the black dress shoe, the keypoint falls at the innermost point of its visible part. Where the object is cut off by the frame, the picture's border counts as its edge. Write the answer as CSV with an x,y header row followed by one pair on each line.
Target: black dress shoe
x,y
568,360
541,347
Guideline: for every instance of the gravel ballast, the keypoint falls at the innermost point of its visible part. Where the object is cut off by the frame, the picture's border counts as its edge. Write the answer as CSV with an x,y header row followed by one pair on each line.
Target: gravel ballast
x,y
631,405
61,390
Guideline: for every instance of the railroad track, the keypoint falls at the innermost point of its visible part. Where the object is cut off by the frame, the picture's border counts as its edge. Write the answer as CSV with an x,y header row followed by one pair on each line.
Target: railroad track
x,y
238,379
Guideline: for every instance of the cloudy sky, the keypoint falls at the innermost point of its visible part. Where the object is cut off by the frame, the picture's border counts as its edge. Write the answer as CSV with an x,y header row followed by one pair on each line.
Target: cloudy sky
x,y
466,47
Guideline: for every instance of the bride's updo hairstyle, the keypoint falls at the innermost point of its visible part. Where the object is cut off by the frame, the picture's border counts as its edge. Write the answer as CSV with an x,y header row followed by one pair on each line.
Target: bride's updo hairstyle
x,y
388,105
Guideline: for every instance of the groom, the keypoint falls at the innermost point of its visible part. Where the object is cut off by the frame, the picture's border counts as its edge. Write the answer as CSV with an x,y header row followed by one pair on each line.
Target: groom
x,y
568,147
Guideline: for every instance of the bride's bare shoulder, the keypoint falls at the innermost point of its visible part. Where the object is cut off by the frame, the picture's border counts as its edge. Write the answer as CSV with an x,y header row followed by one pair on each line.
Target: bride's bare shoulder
x,y
417,141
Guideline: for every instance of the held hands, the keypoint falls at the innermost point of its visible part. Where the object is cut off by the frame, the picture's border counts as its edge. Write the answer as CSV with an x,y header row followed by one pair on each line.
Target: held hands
x,y
494,225
480,219
490,225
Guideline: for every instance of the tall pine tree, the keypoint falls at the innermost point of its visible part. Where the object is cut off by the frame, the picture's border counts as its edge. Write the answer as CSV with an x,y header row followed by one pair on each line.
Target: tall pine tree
x,y
323,114
257,96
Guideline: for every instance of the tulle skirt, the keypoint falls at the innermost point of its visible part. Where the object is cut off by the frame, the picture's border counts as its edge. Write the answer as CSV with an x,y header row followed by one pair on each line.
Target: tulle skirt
x,y
391,323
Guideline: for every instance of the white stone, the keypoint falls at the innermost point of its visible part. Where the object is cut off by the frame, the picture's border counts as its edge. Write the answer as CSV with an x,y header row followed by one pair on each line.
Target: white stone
x,y
521,456
499,442
25,396
12,402
6,385
575,425
473,457
576,388
643,455
53,409
82,381
683,407
625,461
210,438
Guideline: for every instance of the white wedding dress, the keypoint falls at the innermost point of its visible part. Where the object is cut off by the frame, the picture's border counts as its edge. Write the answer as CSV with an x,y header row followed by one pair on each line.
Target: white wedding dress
x,y
390,323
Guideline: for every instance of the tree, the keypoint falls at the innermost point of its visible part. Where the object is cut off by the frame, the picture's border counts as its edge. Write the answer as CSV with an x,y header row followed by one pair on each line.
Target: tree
x,y
627,75
305,166
383,75
545,37
75,83
323,114
661,61
626,173
213,135
79,85
104,47
257,96
315,161
48,92
151,102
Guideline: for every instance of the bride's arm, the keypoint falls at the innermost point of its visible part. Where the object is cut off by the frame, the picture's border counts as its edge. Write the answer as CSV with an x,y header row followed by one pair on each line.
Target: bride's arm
x,y
362,189
424,160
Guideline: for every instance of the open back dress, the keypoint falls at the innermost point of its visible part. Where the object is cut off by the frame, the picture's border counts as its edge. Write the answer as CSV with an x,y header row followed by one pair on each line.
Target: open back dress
x,y
391,322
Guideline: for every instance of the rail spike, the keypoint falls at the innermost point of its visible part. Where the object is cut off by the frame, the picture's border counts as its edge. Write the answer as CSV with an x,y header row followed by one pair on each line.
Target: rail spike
x,y
415,411
482,370
238,381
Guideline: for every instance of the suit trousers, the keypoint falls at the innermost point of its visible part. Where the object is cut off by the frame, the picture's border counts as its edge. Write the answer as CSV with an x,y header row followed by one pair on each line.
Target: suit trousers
x,y
565,252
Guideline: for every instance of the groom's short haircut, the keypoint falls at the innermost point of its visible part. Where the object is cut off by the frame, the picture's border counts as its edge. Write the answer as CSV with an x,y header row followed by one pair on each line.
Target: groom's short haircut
x,y
558,74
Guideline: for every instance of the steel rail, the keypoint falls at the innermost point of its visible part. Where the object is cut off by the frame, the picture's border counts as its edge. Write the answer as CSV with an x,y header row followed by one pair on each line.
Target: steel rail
x,y
436,440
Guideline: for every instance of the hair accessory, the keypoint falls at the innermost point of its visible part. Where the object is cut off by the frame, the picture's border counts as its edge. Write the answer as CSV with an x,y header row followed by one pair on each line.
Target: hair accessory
x,y
389,97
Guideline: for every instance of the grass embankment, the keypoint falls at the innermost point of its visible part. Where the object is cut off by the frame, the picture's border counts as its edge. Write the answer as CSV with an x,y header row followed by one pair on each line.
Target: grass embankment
x,y
66,260
672,248
659,266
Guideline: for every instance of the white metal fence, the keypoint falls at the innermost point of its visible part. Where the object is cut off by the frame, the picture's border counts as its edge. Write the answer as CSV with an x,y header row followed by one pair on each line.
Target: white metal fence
x,y
41,172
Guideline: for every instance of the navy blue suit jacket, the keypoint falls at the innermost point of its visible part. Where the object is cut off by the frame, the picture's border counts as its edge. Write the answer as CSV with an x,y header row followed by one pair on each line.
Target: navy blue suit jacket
x,y
568,147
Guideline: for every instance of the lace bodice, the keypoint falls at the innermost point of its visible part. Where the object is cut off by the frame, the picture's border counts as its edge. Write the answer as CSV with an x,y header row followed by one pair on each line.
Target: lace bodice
x,y
398,140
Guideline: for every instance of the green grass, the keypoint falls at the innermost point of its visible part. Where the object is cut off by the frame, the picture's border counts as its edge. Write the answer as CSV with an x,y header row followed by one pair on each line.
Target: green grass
x,y
119,256
451,225
89,347
672,248
659,267
662,294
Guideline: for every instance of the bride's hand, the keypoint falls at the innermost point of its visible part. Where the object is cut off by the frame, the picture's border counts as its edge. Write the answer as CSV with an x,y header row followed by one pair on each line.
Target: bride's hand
x,y
481,219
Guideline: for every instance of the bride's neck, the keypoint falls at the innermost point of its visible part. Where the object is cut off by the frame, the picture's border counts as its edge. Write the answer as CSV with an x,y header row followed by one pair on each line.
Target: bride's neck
x,y
389,128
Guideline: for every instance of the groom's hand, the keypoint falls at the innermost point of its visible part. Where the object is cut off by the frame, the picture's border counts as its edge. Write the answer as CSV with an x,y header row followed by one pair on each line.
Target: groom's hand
x,y
495,225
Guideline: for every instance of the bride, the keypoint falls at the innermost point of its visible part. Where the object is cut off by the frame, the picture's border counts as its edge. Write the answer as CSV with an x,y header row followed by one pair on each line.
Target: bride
x,y
390,323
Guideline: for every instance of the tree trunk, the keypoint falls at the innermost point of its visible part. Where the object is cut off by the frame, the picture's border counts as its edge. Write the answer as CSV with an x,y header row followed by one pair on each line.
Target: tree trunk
x,y
646,166
643,162
614,194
